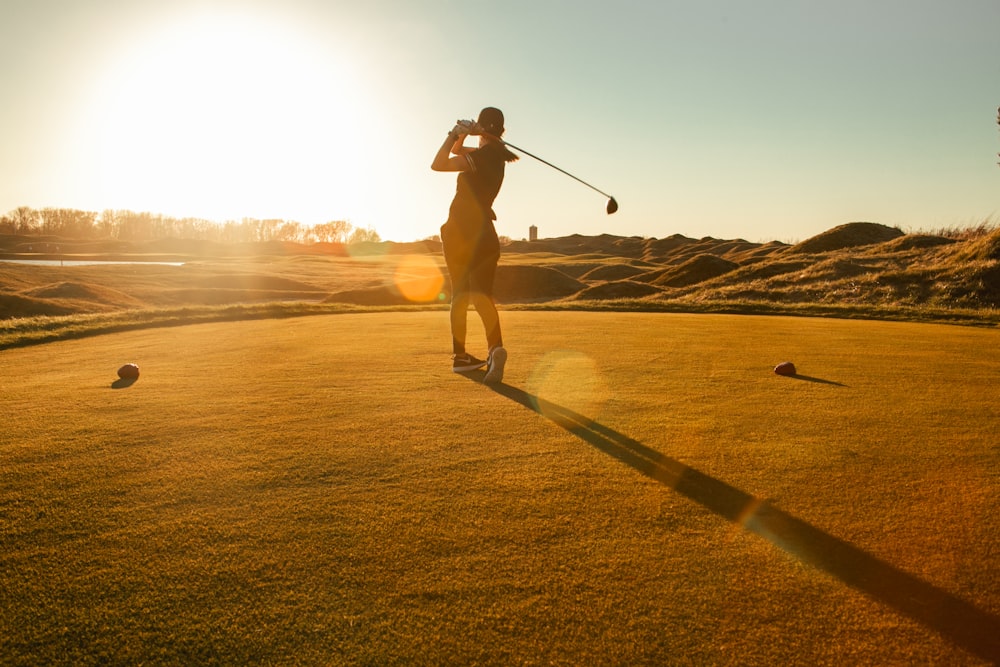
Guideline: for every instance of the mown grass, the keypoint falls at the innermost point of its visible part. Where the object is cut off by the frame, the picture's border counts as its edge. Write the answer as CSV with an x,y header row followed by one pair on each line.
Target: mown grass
x,y
643,490
25,331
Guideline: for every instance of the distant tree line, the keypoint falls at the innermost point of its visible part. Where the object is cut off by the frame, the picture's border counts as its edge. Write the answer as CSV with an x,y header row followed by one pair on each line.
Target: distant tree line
x,y
132,226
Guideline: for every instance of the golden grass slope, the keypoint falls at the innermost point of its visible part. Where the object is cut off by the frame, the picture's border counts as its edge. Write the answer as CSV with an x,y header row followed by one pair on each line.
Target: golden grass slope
x,y
643,490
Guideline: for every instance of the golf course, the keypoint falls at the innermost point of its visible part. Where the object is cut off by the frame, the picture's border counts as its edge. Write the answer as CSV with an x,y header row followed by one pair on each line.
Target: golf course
x,y
298,477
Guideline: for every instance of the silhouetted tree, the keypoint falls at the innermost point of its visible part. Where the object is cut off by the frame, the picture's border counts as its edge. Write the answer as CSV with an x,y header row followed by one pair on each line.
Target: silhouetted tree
x,y
289,231
68,222
26,220
125,225
335,231
362,235
107,224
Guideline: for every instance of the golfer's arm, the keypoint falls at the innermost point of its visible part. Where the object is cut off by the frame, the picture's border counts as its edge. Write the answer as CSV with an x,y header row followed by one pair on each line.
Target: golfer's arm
x,y
443,160
459,148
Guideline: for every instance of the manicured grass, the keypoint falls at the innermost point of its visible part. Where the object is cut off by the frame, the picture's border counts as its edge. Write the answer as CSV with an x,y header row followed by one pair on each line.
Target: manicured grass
x,y
642,490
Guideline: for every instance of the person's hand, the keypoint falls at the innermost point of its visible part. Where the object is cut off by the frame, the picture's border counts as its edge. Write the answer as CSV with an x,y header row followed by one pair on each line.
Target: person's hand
x,y
469,127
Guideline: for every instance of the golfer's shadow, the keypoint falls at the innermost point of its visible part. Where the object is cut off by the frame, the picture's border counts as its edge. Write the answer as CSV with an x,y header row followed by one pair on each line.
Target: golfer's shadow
x,y
955,619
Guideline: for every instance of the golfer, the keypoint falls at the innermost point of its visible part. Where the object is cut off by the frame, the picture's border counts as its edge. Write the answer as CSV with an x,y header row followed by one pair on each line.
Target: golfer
x,y
471,246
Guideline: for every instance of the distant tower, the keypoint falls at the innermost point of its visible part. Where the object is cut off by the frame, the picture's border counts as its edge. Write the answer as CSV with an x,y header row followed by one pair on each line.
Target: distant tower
x,y
532,233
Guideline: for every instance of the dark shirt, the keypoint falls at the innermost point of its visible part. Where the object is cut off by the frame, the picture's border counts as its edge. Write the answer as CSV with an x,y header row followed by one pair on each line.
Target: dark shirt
x,y
471,214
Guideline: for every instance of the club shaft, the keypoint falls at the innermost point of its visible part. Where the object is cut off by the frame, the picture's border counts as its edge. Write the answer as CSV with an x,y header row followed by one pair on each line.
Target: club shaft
x,y
521,150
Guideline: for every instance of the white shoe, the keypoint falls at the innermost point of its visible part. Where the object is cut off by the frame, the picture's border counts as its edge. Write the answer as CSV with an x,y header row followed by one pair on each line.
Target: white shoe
x,y
494,365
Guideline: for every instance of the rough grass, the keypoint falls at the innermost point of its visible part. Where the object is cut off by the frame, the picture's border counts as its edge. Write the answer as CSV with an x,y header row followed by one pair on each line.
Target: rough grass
x,y
643,490
858,269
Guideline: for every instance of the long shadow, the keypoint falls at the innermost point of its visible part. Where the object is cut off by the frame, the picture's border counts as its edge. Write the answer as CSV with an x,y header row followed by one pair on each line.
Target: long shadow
x,y
809,378
955,619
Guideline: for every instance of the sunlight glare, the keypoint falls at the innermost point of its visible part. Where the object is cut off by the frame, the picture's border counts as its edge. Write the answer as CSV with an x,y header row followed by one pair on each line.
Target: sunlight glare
x,y
571,380
226,116
419,278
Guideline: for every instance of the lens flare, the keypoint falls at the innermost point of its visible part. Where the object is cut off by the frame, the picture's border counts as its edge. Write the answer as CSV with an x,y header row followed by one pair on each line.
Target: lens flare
x,y
418,278
571,380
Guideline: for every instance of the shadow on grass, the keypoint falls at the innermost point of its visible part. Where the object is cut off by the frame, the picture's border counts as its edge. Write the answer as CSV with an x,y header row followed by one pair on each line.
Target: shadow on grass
x,y
122,383
955,619
808,378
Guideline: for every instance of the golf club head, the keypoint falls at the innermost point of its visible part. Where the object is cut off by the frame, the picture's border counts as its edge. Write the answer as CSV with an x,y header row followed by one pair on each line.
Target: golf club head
x,y
612,206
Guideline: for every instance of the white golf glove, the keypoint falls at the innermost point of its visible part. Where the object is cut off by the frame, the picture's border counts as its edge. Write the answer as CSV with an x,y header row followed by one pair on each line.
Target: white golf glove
x,y
468,127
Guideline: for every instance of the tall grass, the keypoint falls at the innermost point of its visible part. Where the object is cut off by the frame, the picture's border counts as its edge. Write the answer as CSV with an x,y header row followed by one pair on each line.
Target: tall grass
x,y
967,232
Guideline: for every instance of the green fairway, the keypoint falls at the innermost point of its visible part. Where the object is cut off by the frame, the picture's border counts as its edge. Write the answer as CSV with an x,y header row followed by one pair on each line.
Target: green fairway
x,y
643,489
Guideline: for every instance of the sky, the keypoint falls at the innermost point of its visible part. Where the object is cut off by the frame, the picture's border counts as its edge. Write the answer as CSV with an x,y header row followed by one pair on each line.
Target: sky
x,y
765,120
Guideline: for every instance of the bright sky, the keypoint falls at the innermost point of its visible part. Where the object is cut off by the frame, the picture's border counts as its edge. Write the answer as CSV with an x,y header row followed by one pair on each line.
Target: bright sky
x,y
765,120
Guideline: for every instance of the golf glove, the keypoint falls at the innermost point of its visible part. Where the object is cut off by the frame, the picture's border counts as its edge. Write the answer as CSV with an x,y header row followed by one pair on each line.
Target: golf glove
x,y
468,127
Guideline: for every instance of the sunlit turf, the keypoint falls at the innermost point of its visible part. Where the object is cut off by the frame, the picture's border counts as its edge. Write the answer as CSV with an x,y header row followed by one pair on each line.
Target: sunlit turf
x,y
324,490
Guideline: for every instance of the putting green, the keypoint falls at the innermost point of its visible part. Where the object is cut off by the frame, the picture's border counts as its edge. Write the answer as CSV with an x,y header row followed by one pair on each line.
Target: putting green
x,y
642,489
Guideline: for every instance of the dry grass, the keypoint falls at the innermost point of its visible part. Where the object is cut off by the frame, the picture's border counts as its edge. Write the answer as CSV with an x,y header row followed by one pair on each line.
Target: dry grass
x,y
855,270
643,490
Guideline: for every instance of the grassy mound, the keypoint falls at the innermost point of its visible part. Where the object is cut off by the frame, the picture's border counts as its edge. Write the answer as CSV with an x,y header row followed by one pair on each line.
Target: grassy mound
x,y
16,306
696,270
91,295
851,235
618,289
254,281
613,272
526,284
388,295
917,242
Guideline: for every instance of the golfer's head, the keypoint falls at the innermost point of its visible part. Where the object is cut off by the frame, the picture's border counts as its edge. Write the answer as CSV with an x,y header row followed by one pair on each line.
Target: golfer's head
x,y
491,120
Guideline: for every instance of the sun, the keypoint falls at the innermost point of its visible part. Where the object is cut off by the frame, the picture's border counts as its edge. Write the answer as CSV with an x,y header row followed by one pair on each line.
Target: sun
x,y
224,116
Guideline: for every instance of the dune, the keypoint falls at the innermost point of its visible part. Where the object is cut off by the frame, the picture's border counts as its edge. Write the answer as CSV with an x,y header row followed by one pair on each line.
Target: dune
x,y
617,289
655,250
767,270
255,281
985,248
836,268
613,272
525,284
14,305
696,270
374,296
81,297
577,244
575,269
514,284
917,242
851,235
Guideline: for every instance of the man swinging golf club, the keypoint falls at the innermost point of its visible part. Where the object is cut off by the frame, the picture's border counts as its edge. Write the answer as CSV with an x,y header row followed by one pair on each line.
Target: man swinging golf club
x,y
471,246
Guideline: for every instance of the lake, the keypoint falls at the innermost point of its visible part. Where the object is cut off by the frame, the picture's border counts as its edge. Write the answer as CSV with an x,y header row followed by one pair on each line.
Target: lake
x,y
81,262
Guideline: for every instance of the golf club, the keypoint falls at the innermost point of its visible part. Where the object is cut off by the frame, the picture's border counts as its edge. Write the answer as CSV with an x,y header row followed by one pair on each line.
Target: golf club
x,y
612,204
